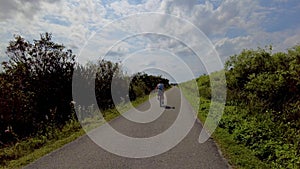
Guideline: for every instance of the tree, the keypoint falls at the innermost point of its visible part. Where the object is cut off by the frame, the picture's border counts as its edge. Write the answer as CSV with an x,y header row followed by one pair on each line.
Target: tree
x,y
40,76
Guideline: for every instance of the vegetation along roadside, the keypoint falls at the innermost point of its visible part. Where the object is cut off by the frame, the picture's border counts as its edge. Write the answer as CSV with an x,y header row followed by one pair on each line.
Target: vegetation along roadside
x,y
37,109
260,126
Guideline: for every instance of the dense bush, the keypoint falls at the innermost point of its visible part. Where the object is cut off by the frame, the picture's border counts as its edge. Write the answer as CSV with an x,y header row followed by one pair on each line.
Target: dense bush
x,y
266,81
35,86
263,108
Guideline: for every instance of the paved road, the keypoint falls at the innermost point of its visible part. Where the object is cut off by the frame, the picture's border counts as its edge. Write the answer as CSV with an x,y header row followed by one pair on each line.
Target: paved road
x,y
84,153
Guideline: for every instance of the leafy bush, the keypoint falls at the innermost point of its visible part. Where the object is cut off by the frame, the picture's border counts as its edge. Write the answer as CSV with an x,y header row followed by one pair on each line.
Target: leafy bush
x,y
262,109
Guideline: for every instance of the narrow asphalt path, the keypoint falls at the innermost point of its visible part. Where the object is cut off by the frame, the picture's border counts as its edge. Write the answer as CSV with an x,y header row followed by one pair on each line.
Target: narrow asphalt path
x,y
188,154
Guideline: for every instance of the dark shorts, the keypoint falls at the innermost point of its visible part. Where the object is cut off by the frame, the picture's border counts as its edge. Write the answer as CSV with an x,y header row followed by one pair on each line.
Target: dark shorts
x,y
160,92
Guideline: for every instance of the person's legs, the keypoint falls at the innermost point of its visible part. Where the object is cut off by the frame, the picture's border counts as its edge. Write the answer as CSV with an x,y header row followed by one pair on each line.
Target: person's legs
x,y
159,92
162,97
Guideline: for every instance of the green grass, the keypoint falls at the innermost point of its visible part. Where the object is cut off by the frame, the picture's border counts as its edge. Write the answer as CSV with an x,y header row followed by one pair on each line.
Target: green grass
x,y
238,156
110,114
49,147
31,149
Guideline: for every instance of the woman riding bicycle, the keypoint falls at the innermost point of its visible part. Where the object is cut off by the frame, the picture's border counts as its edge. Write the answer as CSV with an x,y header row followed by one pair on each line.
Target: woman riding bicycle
x,y
160,92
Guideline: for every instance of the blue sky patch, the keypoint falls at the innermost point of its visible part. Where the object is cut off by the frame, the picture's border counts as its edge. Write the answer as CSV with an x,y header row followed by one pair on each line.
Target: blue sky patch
x,y
54,19
235,32
136,2
281,15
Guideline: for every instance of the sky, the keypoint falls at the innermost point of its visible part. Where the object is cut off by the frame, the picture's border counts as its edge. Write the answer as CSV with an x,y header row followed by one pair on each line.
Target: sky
x,y
183,38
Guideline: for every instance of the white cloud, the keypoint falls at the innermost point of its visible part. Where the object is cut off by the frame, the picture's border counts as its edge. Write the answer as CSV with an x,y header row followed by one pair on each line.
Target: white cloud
x,y
293,39
160,61
228,47
13,8
124,8
214,21
232,25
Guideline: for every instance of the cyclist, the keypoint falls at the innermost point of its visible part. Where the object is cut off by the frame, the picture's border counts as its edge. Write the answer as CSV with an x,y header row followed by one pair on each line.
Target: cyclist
x,y
160,92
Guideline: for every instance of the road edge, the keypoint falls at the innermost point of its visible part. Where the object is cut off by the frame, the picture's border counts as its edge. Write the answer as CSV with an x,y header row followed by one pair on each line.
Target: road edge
x,y
216,144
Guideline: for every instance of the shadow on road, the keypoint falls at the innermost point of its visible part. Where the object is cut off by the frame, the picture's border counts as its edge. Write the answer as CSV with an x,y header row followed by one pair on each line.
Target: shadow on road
x,y
168,107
